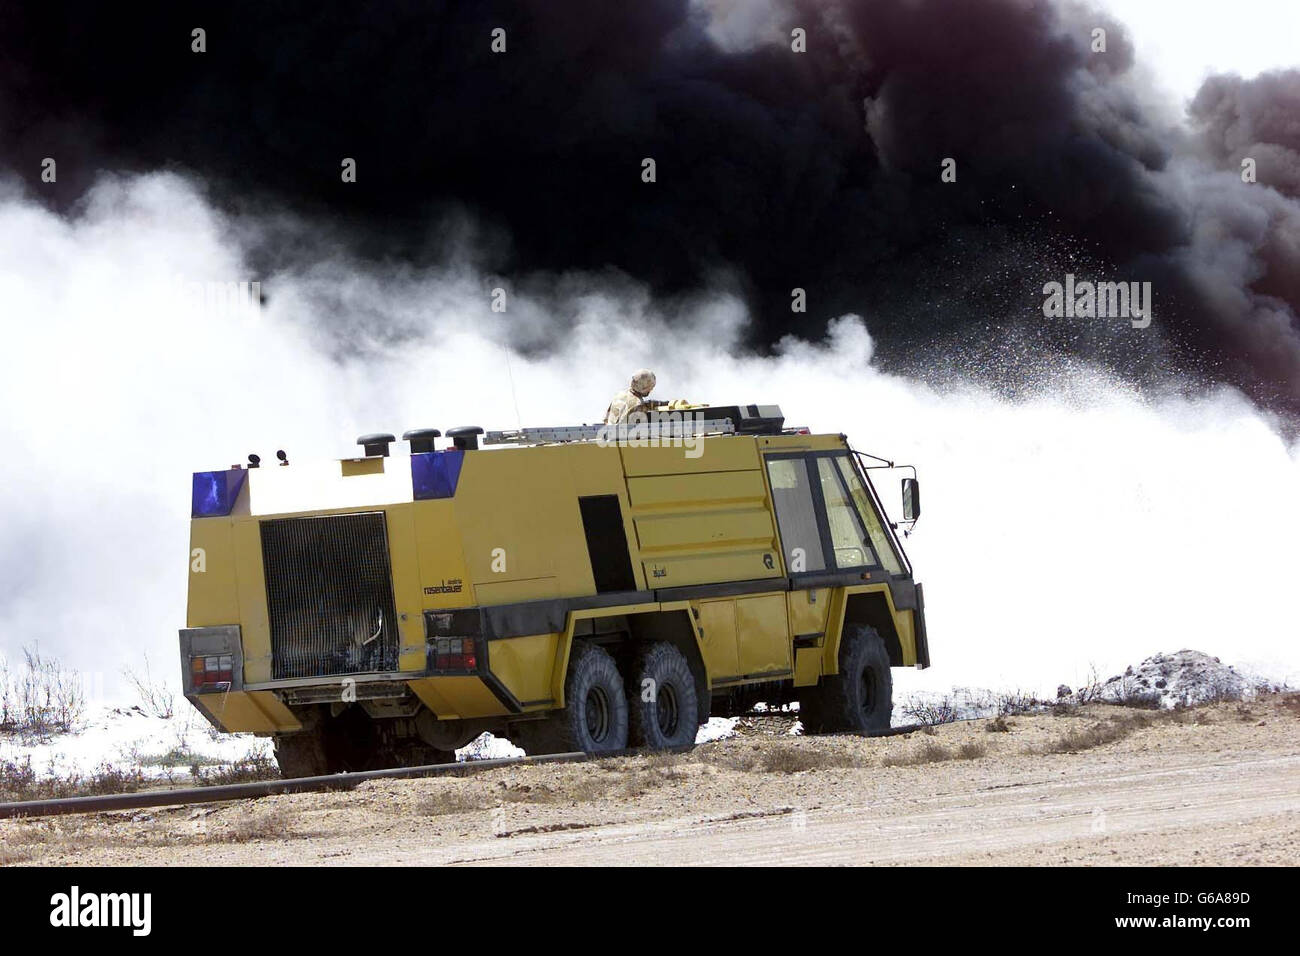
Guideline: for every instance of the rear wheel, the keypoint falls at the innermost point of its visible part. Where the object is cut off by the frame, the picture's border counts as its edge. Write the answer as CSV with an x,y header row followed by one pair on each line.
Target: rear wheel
x,y
301,754
860,698
594,719
350,742
661,699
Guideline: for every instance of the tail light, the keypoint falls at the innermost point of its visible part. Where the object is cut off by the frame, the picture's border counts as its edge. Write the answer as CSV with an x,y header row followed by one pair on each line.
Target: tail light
x,y
454,654
215,672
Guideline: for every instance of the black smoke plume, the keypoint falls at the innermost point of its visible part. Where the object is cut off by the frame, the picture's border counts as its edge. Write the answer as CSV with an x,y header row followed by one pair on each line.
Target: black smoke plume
x,y
775,169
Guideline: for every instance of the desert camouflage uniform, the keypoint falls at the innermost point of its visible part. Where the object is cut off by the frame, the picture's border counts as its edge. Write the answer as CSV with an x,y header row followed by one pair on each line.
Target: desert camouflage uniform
x,y
631,399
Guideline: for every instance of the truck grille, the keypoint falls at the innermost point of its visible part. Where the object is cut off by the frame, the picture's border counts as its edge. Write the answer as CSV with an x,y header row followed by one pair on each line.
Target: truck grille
x,y
329,595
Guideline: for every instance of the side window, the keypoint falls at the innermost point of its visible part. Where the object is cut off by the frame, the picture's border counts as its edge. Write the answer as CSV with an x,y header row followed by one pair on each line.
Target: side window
x,y
792,497
875,530
848,538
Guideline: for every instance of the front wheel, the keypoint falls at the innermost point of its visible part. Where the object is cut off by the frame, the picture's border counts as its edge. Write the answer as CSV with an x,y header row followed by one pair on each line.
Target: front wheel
x,y
860,698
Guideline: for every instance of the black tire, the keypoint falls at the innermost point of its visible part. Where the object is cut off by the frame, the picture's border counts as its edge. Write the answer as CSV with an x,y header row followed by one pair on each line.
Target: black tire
x,y
669,718
860,698
594,719
301,754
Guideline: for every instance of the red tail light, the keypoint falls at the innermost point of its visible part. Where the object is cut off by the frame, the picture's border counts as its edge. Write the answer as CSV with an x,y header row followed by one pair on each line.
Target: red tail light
x,y
216,671
454,654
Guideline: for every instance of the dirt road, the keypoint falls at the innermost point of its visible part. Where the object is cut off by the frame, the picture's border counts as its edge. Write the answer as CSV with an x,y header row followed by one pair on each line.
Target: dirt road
x,y
1216,785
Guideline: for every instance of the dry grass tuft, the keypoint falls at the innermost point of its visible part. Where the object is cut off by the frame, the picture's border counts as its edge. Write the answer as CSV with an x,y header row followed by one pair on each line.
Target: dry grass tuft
x,y
275,824
929,752
1099,734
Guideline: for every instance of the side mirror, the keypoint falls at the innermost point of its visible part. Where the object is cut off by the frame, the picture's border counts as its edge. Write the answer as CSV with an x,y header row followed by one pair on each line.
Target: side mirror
x,y
911,499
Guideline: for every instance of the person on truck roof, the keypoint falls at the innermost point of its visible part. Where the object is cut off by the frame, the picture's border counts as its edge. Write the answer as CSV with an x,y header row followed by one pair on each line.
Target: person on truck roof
x,y
631,399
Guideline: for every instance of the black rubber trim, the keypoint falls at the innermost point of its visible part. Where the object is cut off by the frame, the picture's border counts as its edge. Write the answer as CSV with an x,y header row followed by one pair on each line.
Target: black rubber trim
x,y
808,640
764,675
904,593
502,621
501,692
499,621
455,622
922,638
725,589
833,579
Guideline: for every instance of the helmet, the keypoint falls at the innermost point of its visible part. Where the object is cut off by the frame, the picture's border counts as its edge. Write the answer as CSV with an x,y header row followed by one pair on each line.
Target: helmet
x,y
643,382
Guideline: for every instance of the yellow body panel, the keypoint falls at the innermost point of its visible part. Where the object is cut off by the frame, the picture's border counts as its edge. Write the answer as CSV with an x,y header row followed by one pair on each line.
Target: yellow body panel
x,y
408,597
807,666
722,454
438,551
214,591
808,611
254,623
524,665
451,697
515,530
678,492
698,526
762,635
718,636
248,712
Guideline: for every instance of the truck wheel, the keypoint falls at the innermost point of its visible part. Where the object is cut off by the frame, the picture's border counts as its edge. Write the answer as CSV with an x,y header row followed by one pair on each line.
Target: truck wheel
x,y
668,719
301,754
859,698
594,719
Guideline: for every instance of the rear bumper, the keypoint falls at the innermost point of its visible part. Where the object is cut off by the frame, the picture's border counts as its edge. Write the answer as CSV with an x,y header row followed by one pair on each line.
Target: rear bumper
x,y
268,706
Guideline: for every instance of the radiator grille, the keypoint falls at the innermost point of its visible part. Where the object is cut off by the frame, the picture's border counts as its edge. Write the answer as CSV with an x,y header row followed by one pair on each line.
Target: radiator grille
x,y
329,595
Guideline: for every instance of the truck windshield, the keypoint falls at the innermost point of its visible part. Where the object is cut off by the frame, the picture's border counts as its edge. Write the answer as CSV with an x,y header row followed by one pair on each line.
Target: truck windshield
x,y
880,538
827,515
848,537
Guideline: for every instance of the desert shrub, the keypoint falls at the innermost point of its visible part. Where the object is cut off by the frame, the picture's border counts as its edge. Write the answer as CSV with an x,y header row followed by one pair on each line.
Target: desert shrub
x,y
156,698
40,697
931,712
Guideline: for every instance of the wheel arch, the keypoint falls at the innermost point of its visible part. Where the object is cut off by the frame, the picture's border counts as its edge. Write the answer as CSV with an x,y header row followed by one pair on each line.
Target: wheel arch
x,y
872,608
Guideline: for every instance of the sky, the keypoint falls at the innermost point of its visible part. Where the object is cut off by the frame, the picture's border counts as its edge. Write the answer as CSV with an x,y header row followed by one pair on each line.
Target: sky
x,y
1183,41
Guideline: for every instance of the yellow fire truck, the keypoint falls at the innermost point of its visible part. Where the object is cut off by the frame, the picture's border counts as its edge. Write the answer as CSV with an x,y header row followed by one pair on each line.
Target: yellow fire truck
x,y
573,588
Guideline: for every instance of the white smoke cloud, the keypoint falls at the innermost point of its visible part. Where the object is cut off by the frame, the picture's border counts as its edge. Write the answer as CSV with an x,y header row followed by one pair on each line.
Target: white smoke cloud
x,y
1084,524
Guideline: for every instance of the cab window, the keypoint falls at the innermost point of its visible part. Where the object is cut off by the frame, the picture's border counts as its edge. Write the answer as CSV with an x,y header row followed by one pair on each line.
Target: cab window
x,y
880,540
795,515
848,538
827,515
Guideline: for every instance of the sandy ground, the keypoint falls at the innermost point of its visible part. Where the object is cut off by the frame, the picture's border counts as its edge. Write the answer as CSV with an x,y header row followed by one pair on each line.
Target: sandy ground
x,y
1218,784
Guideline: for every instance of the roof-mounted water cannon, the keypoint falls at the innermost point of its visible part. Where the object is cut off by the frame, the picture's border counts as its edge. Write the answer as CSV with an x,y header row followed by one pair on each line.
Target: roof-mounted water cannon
x,y
376,445
465,437
421,439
